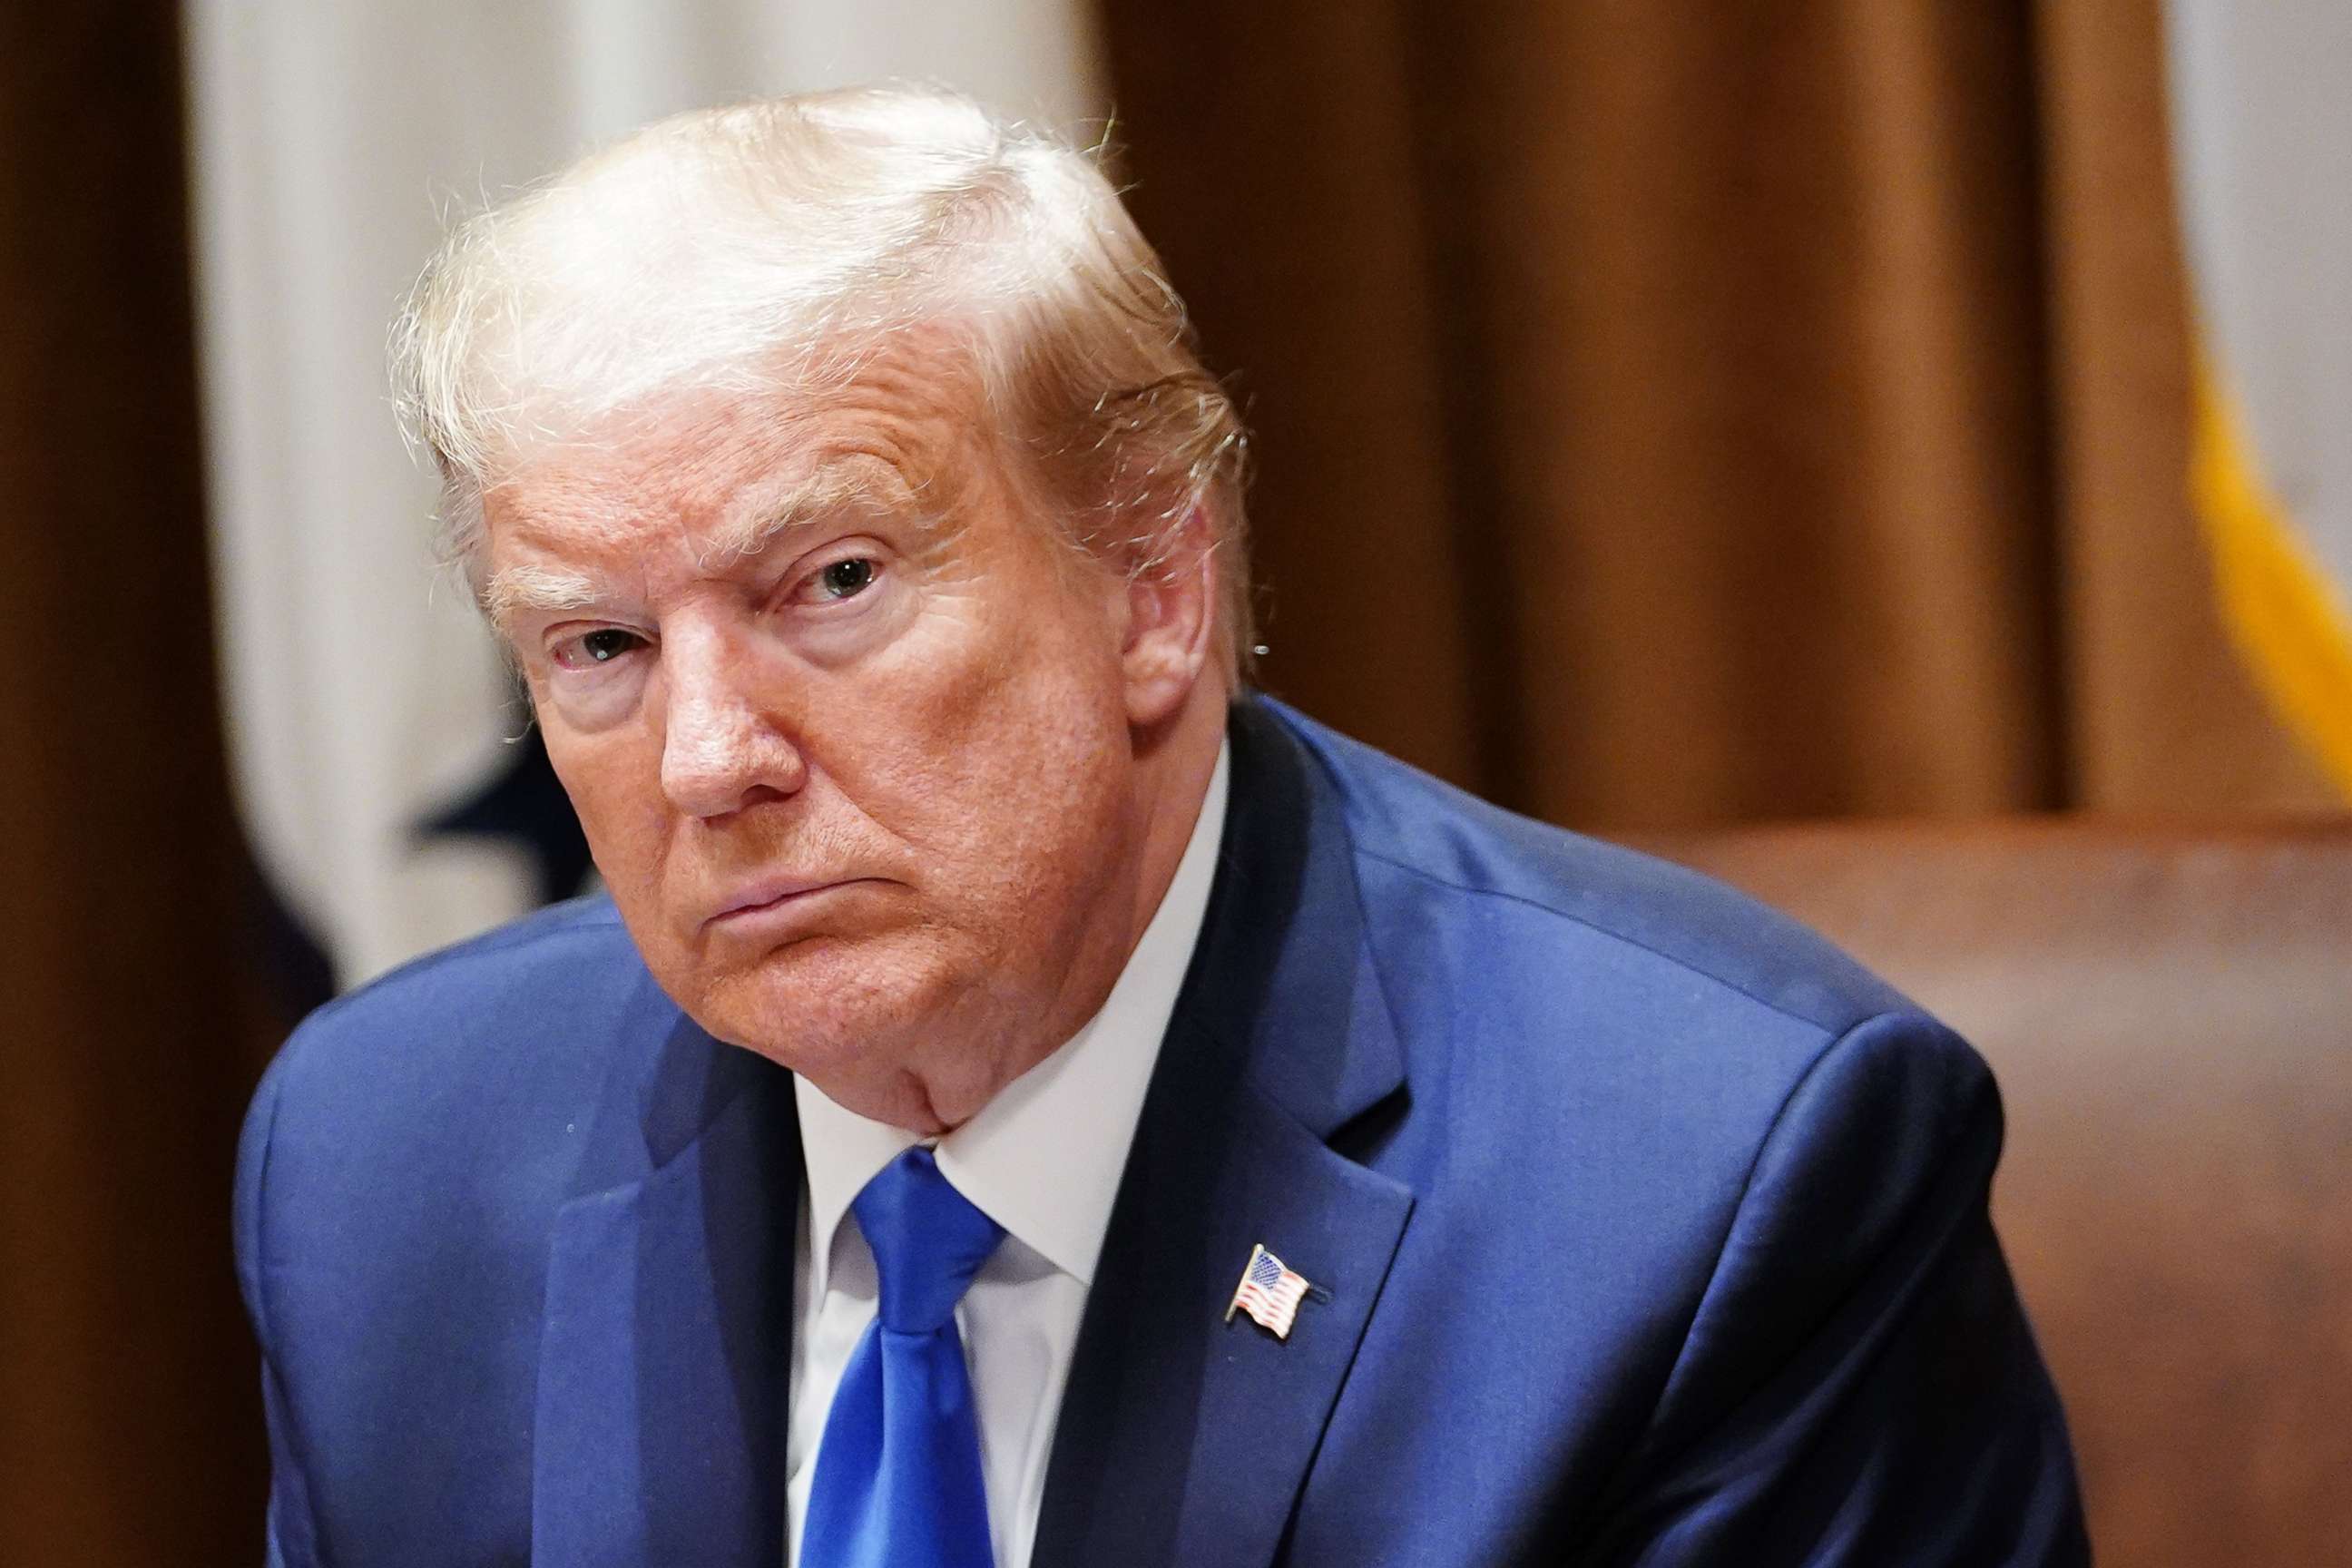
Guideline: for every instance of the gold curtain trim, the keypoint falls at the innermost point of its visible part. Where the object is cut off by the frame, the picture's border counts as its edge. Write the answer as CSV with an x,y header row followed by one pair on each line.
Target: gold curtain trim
x,y
2288,621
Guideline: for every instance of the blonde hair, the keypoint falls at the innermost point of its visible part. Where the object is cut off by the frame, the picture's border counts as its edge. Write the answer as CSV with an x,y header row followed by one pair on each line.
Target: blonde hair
x,y
774,247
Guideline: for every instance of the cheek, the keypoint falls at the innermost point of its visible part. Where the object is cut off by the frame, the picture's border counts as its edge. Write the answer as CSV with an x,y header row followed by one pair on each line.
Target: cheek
x,y
614,785
1001,723
1021,783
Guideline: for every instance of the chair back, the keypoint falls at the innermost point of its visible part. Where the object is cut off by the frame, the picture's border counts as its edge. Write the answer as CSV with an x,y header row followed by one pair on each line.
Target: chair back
x,y
2169,1013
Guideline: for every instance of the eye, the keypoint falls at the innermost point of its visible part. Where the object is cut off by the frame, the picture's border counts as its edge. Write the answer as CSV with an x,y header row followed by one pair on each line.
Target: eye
x,y
844,579
590,649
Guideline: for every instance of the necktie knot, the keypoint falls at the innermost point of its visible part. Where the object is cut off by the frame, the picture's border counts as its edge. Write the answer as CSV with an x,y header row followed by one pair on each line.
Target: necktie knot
x,y
898,1474
928,1242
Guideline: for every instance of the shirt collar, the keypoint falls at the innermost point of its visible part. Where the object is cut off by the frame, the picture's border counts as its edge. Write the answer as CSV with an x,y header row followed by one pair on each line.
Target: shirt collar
x,y
1043,1158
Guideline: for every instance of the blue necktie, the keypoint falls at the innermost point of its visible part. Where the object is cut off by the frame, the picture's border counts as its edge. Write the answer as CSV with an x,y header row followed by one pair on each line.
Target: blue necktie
x,y
898,1472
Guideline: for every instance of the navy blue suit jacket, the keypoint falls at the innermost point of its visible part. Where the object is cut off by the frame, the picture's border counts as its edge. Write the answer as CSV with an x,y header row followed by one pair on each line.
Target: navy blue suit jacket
x,y
1654,1230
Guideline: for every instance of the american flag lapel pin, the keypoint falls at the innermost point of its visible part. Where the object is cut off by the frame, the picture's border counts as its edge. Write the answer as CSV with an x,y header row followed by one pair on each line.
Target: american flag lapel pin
x,y
1270,1292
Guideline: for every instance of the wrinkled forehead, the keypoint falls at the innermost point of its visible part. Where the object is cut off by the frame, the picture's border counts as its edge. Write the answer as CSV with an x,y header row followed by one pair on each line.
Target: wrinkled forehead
x,y
913,394
708,475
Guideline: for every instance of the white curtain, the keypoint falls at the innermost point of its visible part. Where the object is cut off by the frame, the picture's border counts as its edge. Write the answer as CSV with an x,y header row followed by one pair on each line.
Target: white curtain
x,y
2261,116
330,145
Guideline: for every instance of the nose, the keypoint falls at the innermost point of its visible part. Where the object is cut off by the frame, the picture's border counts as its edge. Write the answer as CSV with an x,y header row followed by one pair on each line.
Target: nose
x,y
725,744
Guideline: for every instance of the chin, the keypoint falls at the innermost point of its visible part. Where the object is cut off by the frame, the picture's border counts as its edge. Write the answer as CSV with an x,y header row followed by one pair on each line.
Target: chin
x,y
831,1007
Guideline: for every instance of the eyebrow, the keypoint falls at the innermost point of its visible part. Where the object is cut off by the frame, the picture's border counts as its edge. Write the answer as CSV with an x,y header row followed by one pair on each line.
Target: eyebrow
x,y
856,482
853,482
519,589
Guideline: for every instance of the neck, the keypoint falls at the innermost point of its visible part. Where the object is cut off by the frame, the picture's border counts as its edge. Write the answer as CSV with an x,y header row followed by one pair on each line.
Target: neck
x,y
1173,762
1174,765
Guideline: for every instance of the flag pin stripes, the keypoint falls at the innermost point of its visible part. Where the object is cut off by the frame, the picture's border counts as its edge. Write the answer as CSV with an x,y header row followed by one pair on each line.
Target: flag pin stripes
x,y
1270,1292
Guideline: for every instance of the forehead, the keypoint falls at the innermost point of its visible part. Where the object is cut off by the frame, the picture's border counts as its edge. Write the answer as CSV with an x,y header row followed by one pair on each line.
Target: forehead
x,y
710,470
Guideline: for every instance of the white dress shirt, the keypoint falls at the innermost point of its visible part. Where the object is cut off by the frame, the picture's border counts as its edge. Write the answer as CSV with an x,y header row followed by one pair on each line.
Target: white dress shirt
x,y
1043,1159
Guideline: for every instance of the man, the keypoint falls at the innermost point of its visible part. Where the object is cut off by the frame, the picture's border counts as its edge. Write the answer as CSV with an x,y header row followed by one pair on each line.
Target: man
x,y
988,980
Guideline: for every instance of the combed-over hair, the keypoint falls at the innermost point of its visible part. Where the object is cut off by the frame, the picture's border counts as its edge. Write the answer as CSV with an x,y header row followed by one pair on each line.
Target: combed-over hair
x,y
776,246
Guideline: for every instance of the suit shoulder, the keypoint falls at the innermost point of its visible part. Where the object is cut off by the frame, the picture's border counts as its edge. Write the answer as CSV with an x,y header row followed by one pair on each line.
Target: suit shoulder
x,y
576,951
555,943
515,1023
399,1179
1463,851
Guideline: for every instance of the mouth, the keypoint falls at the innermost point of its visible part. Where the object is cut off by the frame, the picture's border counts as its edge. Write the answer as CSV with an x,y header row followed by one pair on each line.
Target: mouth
x,y
776,895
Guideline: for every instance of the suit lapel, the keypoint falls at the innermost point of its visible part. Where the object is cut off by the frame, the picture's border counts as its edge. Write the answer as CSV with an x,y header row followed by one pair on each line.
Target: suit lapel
x,y
1184,1439
666,1341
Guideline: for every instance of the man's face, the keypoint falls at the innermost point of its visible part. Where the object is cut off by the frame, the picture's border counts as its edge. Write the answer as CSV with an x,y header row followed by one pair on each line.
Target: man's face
x,y
846,728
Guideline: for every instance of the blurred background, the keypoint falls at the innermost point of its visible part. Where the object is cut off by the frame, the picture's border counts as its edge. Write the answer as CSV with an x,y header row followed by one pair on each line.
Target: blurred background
x,y
1908,418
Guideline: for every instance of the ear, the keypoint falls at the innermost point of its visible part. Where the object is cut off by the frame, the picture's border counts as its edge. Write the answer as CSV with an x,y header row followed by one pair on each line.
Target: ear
x,y
1171,622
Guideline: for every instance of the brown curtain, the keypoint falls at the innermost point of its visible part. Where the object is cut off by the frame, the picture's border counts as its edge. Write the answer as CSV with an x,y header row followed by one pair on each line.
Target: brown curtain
x,y
130,1428
1679,414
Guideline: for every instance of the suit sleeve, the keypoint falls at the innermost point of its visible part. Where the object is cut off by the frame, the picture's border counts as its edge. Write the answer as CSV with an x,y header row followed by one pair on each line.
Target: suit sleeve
x,y
290,1538
1859,1384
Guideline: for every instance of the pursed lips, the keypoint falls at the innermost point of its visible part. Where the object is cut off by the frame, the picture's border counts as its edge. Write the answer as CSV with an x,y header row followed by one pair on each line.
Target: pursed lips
x,y
773,891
